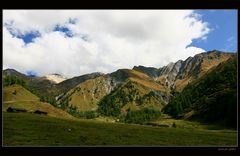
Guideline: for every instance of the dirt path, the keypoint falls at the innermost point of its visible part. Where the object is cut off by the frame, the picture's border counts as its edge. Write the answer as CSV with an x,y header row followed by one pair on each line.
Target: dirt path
x,y
20,101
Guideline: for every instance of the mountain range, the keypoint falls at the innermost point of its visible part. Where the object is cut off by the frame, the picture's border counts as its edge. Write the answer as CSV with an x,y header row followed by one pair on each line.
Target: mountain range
x,y
124,91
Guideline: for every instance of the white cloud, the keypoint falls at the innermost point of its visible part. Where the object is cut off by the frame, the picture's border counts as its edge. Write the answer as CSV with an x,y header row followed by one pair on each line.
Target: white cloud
x,y
116,39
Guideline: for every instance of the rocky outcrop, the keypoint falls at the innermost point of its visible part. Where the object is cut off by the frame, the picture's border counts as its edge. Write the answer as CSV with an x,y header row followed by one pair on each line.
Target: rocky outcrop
x,y
177,75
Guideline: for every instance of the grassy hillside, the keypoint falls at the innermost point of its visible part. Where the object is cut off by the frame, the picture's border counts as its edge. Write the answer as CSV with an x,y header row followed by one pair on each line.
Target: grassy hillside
x,y
85,96
131,100
211,99
95,93
43,87
71,83
18,93
18,97
23,129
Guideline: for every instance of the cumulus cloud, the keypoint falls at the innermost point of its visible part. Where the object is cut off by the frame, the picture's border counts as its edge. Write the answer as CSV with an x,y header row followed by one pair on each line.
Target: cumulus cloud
x,y
101,40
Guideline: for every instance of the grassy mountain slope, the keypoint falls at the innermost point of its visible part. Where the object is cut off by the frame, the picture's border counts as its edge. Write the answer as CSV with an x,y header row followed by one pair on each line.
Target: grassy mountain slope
x,y
18,97
129,96
71,83
41,86
87,95
212,98
139,77
18,93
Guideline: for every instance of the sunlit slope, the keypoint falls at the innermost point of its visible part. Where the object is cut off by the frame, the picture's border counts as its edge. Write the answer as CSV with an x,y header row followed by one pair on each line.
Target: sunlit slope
x,y
16,96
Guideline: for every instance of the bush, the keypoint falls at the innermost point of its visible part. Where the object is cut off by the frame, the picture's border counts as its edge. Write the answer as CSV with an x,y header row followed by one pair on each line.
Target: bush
x,y
174,125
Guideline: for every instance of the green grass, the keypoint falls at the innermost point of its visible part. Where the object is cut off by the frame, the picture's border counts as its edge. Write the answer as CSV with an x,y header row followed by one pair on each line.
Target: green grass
x,y
185,124
25,129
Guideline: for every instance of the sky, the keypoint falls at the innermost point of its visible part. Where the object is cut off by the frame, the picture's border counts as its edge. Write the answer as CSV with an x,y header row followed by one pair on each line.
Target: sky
x,y
77,42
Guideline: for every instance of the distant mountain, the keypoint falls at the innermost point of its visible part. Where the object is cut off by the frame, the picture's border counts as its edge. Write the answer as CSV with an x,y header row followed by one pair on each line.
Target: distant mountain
x,y
13,72
47,85
212,98
56,78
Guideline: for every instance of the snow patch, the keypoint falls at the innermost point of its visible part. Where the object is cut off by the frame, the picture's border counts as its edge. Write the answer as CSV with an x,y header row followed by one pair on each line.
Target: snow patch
x,y
56,78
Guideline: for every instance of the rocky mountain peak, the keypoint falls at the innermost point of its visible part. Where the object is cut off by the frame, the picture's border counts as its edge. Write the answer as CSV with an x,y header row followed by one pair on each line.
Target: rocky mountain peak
x,y
182,72
56,78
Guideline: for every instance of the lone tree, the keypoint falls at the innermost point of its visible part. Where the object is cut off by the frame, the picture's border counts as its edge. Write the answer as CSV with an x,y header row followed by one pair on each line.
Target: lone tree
x,y
174,125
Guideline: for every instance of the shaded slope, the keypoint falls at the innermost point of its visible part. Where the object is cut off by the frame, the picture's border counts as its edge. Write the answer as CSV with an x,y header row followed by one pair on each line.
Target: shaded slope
x,y
212,98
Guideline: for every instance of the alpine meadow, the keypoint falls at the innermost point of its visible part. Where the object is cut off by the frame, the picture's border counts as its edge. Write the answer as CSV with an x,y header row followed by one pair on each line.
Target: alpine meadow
x,y
120,78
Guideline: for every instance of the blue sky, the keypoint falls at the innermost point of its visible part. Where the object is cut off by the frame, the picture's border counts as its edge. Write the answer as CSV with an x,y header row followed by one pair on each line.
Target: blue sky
x,y
29,37
223,35
63,29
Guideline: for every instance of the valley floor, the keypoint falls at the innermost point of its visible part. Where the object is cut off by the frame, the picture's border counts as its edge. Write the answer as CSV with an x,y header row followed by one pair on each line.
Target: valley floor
x,y
25,129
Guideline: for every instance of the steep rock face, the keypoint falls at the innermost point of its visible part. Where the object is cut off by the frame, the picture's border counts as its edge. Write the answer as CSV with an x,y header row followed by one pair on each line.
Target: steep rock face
x,y
178,75
168,74
195,67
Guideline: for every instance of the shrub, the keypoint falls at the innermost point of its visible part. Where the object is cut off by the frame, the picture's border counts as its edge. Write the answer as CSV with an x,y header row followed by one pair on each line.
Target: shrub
x,y
174,125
